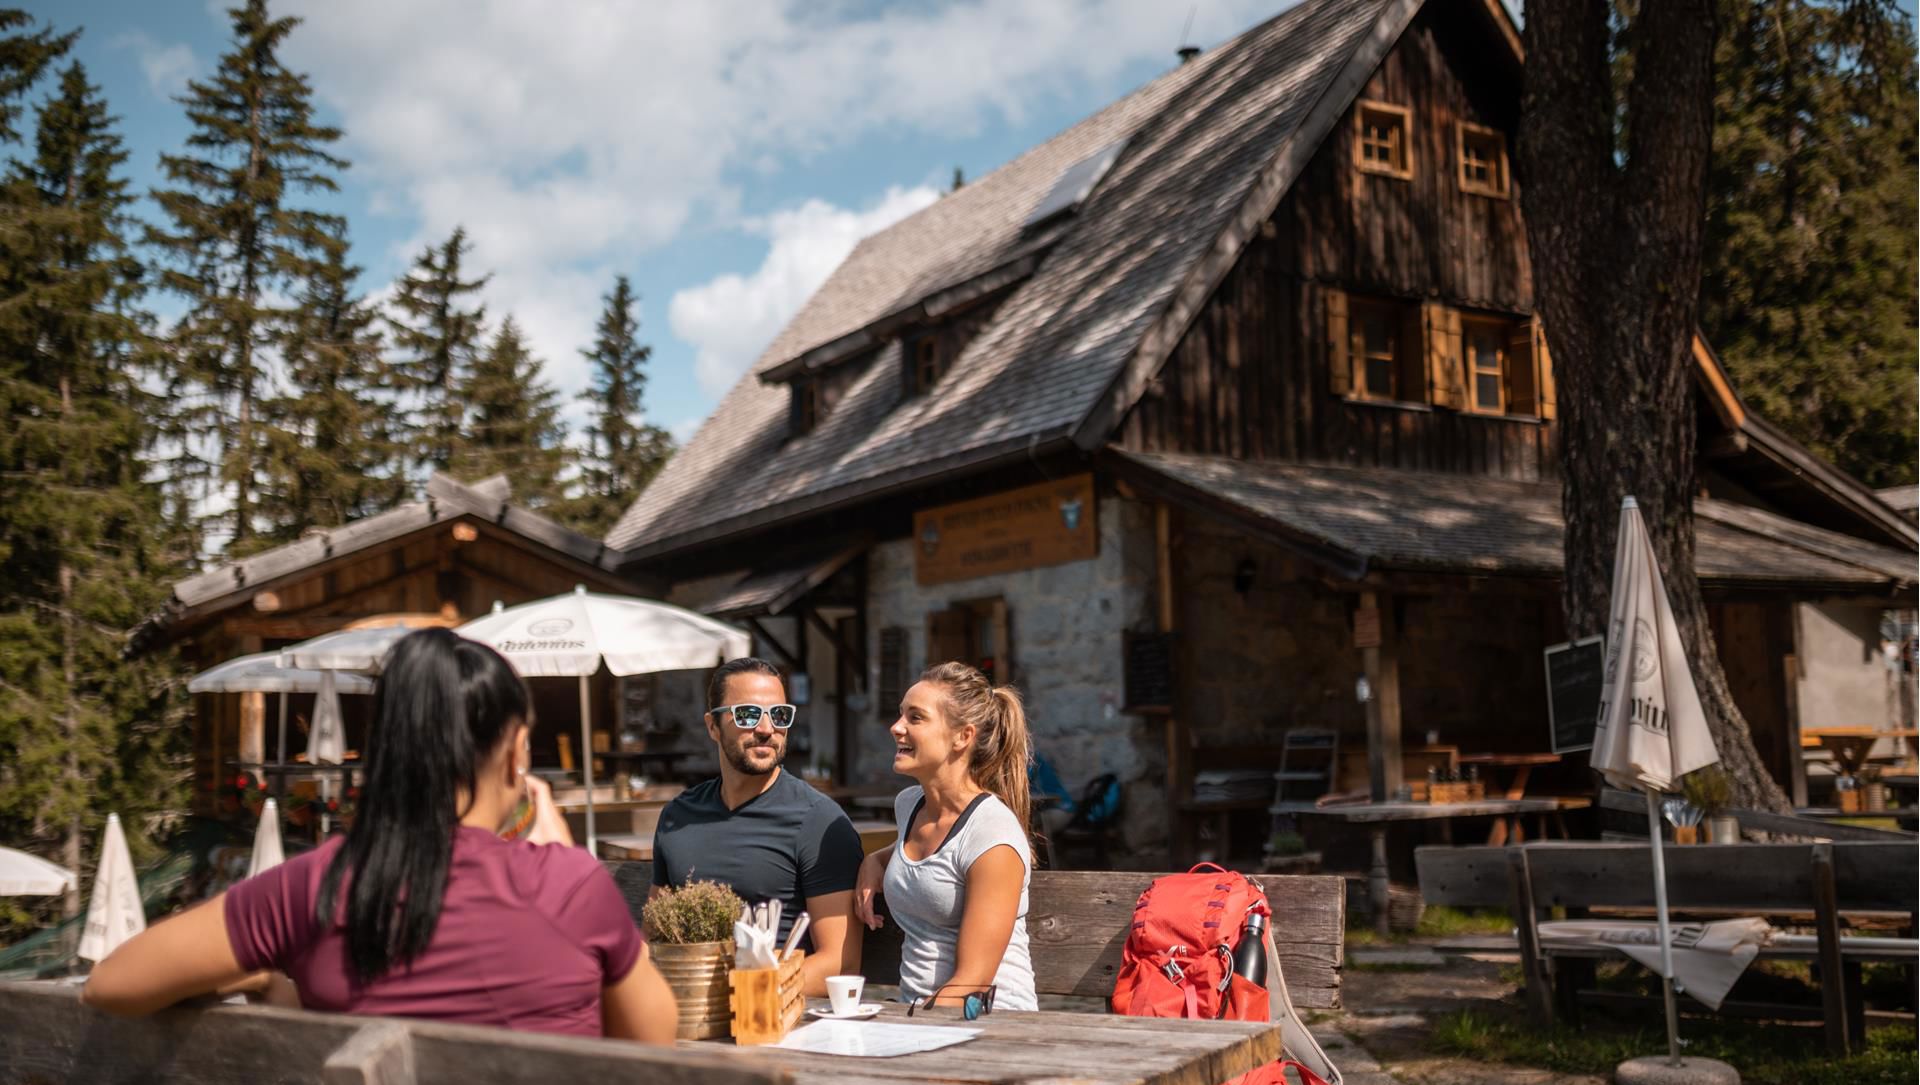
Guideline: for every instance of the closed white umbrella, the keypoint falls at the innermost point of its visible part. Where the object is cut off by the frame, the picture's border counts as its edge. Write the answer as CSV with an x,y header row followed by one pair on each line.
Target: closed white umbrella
x,y
1652,730
25,875
115,913
267,852
572,635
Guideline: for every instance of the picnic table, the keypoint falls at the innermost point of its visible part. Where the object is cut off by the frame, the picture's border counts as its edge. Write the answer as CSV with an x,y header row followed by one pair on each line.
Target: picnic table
x,y
1048,1045
1377,816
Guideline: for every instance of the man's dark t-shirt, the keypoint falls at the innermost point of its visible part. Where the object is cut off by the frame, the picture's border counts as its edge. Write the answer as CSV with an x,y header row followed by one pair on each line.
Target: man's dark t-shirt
x,y
788,843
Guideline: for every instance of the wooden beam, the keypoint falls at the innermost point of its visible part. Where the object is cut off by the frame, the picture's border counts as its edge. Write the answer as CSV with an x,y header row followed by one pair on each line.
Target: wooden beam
x,y
293,626
1179,744
1380,663
852,654
792,660
379,1054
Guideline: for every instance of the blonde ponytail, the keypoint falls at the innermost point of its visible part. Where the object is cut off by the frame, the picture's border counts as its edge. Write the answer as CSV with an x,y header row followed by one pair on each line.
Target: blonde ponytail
x,y
1002,744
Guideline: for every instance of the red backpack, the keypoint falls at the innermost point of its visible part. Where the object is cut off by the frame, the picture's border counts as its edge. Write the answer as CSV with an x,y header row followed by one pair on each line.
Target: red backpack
x,y
1178,960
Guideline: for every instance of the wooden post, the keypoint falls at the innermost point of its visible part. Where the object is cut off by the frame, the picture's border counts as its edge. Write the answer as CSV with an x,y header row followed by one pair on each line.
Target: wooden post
x,y
253,717
1379,884
1826,923
1797,758
1179,782
1380,661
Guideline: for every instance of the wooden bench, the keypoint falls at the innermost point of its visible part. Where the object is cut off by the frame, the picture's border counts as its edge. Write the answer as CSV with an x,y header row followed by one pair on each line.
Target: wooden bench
x,y
1077,922
48,1036
1828,881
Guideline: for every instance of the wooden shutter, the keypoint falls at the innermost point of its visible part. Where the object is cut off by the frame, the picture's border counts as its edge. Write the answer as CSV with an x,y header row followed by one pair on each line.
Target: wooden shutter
x,y
1339,352
1444,360
1543,364
949,636
1518,371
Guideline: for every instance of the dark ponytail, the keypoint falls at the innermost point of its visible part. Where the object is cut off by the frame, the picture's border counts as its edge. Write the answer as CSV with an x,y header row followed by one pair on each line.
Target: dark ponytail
x,y
440,707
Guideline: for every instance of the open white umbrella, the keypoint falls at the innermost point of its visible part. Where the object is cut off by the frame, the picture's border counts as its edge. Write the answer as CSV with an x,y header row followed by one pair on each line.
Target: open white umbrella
x,y
360,650
267,852
25,875
115,913
1652,730
263,672
571,635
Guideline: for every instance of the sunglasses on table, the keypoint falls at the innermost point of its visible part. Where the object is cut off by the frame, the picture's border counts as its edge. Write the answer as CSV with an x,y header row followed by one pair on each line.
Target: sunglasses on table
x,y
977,1004
747,716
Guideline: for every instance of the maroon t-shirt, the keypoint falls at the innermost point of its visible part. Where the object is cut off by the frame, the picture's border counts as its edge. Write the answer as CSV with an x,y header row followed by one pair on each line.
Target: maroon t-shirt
x,y
528,935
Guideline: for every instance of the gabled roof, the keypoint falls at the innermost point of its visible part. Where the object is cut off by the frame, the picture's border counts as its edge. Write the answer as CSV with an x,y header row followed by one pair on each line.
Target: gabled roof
x,y
1212,146
446,499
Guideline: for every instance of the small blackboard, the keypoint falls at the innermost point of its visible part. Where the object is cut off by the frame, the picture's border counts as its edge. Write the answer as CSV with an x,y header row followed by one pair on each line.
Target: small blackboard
x,y
1148,669
1574,678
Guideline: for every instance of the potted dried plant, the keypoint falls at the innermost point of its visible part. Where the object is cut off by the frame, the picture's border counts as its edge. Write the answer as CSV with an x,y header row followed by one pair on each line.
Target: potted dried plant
x,y
1709,789
690,935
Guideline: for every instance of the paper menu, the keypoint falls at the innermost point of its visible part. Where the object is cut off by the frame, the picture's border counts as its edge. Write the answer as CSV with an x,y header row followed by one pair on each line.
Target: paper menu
x,y
873,1039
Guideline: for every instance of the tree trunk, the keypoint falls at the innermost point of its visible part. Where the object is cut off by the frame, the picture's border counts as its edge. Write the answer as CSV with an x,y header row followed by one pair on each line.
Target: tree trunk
x,y
71,847
1615,238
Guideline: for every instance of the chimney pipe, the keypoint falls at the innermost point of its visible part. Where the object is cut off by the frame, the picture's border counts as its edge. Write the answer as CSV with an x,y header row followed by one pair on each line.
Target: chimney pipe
x,y
1188,52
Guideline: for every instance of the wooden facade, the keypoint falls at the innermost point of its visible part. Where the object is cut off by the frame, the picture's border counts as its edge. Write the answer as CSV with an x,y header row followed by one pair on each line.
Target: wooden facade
x,y
1253,377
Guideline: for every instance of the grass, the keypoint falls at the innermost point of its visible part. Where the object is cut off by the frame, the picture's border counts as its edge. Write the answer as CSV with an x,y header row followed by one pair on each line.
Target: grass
x,y
1764,1054
1438,921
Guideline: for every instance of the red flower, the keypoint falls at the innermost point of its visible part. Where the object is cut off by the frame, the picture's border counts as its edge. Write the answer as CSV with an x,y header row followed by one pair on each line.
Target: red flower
x,y
333,805
240,781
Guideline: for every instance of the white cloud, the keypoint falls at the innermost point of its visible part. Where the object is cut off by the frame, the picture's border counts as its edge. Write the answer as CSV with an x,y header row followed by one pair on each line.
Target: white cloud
x,y
167,67
572,139
729,319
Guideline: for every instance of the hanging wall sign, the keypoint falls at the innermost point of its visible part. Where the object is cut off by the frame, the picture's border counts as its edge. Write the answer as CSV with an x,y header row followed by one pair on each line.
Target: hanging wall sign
x,y
1049,524
1574,678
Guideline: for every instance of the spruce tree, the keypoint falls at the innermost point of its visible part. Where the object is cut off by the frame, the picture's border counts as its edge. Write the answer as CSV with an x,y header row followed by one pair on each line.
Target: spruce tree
x,y
624,452
82,545
1808,288
512,421
334,446
436,338
237,241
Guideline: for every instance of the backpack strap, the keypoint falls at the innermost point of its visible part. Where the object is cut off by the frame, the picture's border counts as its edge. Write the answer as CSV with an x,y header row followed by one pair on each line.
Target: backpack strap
x,y
1296,1043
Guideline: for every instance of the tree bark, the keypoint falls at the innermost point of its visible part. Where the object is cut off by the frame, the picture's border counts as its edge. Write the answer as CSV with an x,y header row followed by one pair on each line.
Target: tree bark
x,y
1615,231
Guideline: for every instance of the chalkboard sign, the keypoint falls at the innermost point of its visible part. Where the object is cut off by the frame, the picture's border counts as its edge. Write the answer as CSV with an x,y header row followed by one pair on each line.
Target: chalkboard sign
x,y
1574,674
1149,671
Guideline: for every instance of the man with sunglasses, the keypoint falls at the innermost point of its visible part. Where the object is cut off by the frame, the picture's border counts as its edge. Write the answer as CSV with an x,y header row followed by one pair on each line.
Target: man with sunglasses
x,y
765,832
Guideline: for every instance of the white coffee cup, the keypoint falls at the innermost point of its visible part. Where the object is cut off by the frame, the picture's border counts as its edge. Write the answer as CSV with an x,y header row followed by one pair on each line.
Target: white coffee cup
x,y
844,993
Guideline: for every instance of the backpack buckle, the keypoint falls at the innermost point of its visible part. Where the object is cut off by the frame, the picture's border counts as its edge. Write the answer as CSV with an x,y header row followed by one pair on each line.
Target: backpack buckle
x,y
1174,972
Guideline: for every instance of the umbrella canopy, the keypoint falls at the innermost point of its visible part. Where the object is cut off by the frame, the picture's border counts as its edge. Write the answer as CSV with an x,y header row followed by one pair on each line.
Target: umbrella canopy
x,y
569,635
24,875
326,738
1652,730
262,673
267,852
362,650
115,913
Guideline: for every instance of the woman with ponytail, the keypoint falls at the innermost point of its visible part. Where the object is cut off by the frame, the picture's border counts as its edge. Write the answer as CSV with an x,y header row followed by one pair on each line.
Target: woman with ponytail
x,y
422,909
956,876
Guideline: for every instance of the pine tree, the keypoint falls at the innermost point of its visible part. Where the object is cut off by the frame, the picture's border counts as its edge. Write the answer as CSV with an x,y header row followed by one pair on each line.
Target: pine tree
x,y
334,444
236,241
82,544
24,57
512,421
1808,289
437,341
624,452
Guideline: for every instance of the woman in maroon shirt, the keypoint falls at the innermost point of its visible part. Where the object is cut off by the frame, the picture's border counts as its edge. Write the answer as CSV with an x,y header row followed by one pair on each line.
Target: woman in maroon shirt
x,y
422,910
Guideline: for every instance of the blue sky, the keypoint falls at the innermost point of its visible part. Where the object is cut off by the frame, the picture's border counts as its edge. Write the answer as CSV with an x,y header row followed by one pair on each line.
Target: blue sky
x,y
724,154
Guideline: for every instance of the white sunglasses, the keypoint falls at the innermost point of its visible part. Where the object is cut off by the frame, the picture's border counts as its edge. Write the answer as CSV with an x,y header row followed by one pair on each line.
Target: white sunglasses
x,y
747,716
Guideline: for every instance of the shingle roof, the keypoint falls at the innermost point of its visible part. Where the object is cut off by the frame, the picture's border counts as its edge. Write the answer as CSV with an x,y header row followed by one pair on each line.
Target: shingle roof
x,y
1402,520
1199,138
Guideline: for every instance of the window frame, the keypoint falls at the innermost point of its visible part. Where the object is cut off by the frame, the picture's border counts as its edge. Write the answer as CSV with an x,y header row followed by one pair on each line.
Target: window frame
x,y
1501,187
1404,115
1403,362
806,405
925,368
1501,331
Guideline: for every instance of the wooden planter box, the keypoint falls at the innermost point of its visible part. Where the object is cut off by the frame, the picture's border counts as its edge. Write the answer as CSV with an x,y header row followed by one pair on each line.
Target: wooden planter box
x,y
767,1002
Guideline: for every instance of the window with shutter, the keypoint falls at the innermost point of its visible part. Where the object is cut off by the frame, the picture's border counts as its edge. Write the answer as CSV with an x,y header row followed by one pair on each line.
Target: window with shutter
x,y
1383,351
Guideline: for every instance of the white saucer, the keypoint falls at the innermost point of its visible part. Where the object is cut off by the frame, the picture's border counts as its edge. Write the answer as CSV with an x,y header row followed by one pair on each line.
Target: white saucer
x,y
827,1014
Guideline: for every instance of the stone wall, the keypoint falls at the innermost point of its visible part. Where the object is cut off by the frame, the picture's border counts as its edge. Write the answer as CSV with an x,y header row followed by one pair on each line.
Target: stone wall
x,y
1066,623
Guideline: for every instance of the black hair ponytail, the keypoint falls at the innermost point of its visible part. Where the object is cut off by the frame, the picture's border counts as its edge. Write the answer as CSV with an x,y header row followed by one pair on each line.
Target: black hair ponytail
x,y
440,706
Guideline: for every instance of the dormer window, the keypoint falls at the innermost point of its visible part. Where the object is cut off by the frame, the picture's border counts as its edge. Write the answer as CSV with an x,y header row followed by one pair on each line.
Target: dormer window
x,y
1483,160
1384,143
805,411
927,365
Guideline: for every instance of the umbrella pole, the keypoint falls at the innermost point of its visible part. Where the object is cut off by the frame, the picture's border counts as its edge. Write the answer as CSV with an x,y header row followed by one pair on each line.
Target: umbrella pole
x,y
1666,935
586,763
280,771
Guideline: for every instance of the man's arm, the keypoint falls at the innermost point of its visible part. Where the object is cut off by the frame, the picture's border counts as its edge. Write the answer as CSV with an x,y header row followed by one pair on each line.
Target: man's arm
x,y
836,941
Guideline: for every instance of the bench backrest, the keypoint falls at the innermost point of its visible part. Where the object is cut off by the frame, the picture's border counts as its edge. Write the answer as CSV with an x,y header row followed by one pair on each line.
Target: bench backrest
x,y
47,1035
1077,922
1767,878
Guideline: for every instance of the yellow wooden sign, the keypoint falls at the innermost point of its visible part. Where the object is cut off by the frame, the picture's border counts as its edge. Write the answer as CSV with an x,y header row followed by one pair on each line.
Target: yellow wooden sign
x,y
1048,524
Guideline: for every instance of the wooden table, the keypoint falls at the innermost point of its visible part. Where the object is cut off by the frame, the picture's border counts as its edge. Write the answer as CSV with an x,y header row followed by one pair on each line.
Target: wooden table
x,y
1089,1048
1378,815
1522,765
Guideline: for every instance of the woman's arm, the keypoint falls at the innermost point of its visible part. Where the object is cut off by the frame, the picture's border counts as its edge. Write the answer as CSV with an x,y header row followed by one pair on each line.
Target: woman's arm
x,y
873,874
640,1006
986,921
177,958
